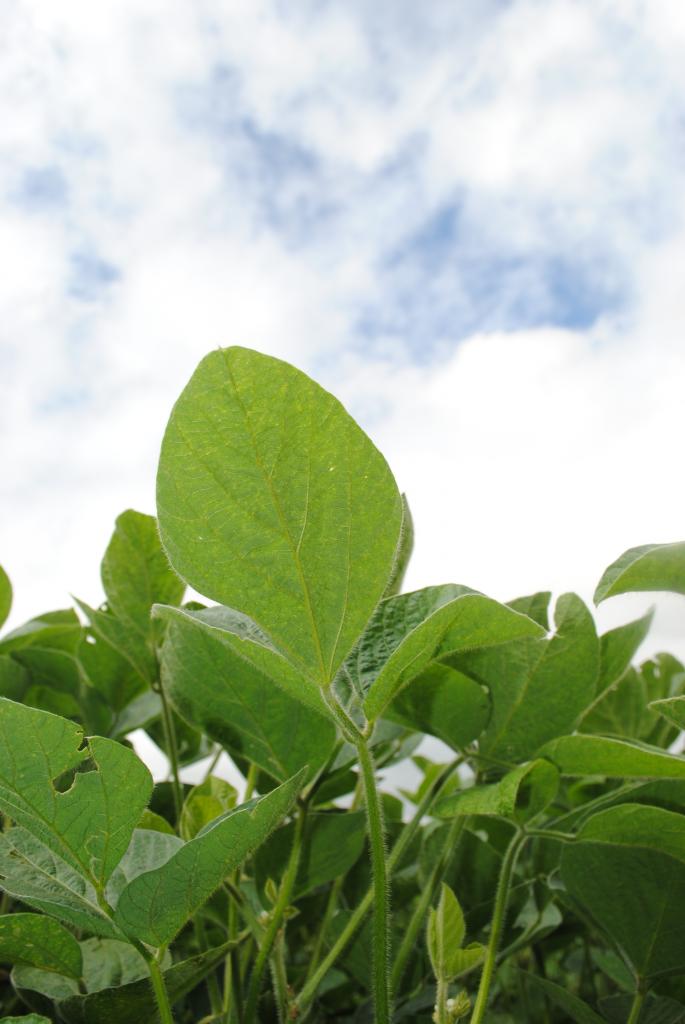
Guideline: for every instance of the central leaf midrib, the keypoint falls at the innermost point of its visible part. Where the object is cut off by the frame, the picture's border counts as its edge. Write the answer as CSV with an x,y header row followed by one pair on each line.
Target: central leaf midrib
x,y
286,532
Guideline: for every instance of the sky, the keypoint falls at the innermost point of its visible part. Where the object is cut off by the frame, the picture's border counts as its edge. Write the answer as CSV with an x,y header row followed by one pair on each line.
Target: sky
x,y
467,220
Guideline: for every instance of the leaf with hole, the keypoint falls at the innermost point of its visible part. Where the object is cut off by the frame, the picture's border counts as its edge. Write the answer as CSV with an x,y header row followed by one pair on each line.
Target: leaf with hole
x,y
88,826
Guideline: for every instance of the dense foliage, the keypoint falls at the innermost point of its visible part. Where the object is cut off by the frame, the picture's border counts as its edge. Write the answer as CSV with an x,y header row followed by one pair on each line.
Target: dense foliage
x,y
537,874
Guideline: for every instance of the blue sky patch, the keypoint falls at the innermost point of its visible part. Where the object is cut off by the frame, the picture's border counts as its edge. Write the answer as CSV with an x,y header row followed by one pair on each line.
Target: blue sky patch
x,y
90,276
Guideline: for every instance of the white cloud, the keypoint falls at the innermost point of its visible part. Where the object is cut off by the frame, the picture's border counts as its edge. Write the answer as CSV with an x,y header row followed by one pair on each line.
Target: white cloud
x,y
262,177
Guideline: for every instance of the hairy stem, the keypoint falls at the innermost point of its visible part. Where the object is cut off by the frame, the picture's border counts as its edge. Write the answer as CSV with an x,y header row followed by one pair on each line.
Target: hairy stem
x,y
301,1002
159,989
441,1002
276,922
498,916
381,907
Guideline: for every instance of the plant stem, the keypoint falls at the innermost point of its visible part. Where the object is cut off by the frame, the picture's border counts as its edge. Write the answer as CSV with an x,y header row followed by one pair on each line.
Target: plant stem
x,y
381,908
638,1003
408,945
159,988
172,750
250,782
550,833
282,902
300,1004
280,978
498,916
212,984
441,1002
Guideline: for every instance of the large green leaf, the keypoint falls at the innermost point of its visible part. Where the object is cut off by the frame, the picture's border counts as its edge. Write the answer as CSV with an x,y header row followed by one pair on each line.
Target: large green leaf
x,y
155,905
136,573
89,826
272,500
539,688
616,759
41,942
627,869
230,683
32,873
522,794
469,621
5,596
649,567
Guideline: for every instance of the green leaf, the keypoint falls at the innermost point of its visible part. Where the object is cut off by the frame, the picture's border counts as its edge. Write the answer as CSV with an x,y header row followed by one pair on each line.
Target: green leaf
x,y
5,596
444,703
59,629
130,645
618,648
574,1007
649,567
616,759
672,709
155,905
332,844
656,1009
29,1018
107,964
136,573
40,942
90,825
522,794
32,873
622,711
272,500
445,934
539,688
204,803
227,684
135,1000
404,551
469,621
535,606
109,673
148,850
627,869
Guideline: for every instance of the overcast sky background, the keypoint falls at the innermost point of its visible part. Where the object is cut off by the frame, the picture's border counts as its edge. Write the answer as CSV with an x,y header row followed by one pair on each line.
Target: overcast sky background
x,y
466,219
